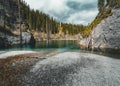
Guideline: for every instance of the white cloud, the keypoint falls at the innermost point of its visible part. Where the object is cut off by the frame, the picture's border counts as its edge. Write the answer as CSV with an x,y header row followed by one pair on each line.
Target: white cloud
x,y
83,17
62,12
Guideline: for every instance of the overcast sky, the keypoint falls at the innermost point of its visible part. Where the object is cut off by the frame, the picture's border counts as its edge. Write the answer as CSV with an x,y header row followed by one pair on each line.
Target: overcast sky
x,y
70,11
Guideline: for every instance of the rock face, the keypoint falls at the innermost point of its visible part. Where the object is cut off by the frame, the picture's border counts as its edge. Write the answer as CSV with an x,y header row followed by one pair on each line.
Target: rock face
x,y
106,35
8,40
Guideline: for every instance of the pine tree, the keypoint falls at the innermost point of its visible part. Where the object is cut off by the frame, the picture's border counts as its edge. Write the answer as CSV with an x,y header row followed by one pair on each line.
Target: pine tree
x,y
101,4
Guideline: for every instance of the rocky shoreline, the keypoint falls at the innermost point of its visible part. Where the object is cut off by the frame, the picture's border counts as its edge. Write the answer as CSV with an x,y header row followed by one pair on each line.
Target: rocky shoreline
x,y
13,68
59,69
15,65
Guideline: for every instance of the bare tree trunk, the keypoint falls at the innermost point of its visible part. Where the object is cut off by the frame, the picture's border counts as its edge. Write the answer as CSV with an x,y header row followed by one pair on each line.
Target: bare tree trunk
x,y
91,40
40,34
4,16
47,30
20,23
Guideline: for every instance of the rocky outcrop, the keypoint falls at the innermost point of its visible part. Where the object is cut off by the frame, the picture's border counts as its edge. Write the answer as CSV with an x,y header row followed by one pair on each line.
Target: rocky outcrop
x,y
7,40
106,35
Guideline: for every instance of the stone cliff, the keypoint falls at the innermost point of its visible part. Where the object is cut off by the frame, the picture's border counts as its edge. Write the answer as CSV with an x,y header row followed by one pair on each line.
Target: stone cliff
x,y
10,40
106,34
10,25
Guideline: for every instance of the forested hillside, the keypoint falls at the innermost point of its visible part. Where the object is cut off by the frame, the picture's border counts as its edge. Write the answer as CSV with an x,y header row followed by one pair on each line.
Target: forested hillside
x,y
31,19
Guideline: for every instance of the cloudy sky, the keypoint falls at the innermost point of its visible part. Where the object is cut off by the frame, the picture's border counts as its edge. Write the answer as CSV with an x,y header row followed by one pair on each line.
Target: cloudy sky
x,y
70,11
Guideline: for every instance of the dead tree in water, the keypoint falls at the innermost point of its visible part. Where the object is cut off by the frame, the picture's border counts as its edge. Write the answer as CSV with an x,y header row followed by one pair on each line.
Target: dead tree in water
x,y
91,42
47,30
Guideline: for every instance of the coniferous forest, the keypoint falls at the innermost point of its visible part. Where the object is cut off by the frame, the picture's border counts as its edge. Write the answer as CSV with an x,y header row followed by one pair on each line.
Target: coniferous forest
x,y
34,20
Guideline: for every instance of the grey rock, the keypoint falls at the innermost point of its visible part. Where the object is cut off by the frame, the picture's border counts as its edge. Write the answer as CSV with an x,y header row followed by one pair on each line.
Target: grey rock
x,y
106,35
68,69
7,40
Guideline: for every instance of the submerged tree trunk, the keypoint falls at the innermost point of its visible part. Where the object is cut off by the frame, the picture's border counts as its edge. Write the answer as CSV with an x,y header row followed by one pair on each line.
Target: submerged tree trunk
x,y
47,30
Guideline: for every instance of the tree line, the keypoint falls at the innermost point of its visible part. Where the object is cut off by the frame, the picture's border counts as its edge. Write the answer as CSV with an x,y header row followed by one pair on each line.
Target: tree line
x,y
34,19
37,20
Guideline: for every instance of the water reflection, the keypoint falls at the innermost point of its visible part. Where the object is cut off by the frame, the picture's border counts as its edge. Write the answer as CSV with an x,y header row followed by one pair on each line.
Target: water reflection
x,y
53,44
69,45
58,44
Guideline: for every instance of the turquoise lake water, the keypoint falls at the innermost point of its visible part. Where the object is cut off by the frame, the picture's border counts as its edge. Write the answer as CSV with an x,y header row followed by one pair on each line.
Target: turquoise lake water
x,y
43,45
62,45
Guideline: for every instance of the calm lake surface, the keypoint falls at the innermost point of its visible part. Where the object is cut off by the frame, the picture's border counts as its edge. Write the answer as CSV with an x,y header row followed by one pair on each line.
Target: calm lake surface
x,y
43,45
61,45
